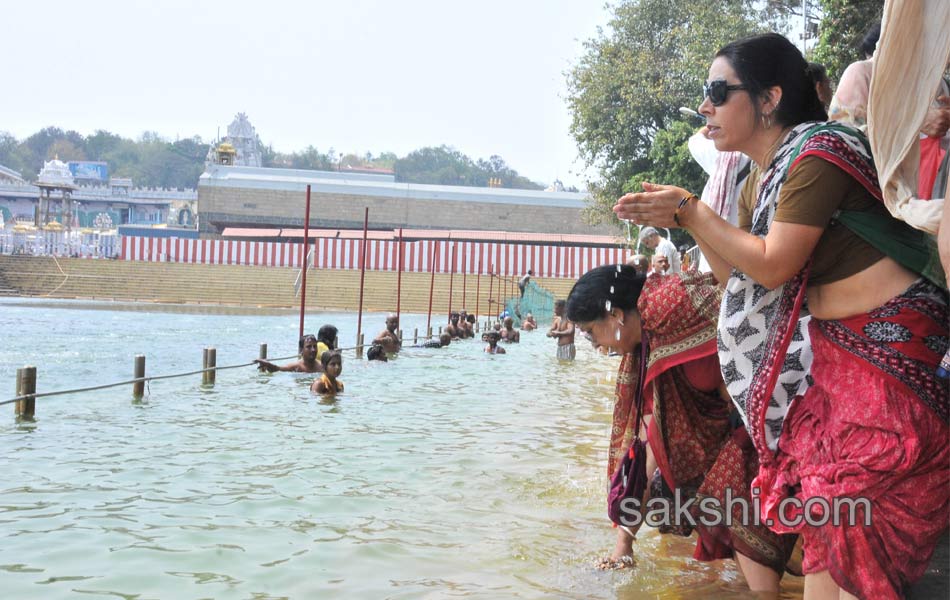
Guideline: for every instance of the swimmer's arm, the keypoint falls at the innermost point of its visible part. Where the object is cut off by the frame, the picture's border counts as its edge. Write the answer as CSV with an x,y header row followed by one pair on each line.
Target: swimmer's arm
x,y
501,351
268,366
318,387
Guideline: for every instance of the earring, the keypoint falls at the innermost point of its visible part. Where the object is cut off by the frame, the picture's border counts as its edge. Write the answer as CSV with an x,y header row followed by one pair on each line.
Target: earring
x,y
620,321
767,121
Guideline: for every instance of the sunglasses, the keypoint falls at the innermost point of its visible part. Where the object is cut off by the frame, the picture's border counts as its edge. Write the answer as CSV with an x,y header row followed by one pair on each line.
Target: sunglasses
x,y
718,91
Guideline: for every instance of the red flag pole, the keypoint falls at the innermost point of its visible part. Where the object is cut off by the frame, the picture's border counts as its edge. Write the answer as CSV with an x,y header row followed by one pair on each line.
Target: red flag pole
x,y
452,275
399,276
359,318
478,284
491,283
464,272
432,258
306,247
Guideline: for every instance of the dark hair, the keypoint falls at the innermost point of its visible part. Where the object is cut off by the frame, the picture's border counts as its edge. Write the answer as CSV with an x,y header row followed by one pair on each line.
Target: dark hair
x,y
303,341
817,72
767,60
328,355
560,303
375,352
470,318
614,286
869,41
327,335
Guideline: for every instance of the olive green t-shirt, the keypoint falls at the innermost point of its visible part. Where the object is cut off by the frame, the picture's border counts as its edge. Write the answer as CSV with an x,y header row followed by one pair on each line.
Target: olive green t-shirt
x,y
813,191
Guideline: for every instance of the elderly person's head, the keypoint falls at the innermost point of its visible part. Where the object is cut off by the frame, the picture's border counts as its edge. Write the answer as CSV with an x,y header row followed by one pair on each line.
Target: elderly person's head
x,y
639,262
649,237
661,264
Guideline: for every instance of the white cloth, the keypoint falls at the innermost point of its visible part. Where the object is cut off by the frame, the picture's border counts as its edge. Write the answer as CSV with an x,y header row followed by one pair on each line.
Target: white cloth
x,y
667,249
911,57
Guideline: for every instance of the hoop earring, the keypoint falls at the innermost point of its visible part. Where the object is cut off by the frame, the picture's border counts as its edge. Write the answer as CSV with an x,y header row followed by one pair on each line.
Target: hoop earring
x,y
767,121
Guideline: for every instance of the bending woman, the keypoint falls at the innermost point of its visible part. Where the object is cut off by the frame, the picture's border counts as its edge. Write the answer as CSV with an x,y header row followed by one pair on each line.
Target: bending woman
x,y
699,449
870,422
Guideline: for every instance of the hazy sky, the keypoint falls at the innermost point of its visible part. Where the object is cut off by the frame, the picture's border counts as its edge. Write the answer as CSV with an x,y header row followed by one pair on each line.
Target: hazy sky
x,y
485,77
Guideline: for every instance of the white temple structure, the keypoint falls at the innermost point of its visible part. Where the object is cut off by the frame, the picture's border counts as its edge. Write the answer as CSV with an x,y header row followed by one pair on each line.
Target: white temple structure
x,y
55,173
243,137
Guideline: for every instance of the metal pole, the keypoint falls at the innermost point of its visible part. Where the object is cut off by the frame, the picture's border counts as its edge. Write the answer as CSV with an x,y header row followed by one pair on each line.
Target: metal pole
x,y
452,276
432,260
306,247
478,285
498,302
138,388
804,25
262,354
491,283
399,277
25,386
359,346
359,318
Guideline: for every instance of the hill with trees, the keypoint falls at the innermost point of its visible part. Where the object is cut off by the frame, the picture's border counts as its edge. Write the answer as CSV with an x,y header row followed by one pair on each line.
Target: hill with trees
x,y
156,162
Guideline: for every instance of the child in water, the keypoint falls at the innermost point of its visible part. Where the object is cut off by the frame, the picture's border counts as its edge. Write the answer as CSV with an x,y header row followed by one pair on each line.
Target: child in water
x,y
492,338
328,383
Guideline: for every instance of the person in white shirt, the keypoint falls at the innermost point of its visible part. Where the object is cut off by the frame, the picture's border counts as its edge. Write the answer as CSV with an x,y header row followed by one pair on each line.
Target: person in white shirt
x,y
650,238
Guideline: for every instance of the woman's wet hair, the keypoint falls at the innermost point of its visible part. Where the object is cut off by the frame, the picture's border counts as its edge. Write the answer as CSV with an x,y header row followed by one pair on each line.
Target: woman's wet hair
x,y
327,334
768,60
603,288
329,355
303,342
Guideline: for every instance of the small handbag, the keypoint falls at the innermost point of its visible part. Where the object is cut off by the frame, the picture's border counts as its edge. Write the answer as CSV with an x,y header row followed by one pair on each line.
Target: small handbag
x,y
630,479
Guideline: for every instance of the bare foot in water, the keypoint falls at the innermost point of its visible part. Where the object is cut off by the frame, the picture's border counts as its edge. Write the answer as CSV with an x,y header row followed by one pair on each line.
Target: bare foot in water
x,y
622,556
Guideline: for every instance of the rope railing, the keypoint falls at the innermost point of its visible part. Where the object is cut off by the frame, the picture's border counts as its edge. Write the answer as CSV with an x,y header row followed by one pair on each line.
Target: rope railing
x,y
131,381
27,393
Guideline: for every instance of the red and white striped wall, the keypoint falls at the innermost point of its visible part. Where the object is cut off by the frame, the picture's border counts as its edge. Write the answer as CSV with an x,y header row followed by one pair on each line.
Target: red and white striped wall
x,y
381,255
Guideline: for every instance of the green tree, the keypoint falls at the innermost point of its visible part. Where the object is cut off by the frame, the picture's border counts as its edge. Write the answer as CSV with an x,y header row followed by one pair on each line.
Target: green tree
x,y
626,89
842,27
444,165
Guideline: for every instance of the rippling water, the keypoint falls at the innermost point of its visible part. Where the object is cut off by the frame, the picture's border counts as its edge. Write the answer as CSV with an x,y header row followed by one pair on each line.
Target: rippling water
x,y
444,473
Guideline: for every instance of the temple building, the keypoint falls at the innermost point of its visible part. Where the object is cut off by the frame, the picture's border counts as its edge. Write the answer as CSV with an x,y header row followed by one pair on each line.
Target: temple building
x,y
239,147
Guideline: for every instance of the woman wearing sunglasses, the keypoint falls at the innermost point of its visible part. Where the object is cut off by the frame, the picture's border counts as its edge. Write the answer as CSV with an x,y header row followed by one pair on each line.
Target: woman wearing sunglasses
x,y
869,417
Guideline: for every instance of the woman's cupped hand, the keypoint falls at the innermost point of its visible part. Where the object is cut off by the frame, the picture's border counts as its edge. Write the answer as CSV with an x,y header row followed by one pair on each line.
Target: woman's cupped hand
x,y
655,205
